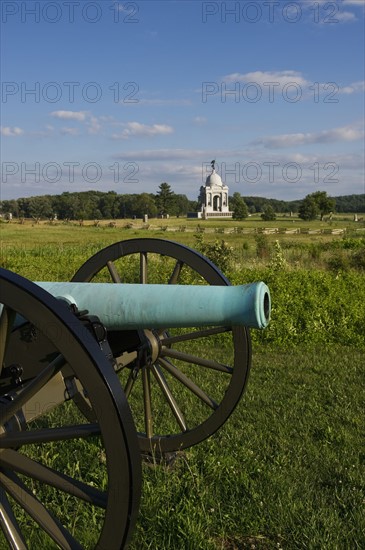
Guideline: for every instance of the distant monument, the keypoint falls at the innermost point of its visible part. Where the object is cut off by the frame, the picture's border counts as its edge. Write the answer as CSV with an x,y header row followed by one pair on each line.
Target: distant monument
x,y
214,197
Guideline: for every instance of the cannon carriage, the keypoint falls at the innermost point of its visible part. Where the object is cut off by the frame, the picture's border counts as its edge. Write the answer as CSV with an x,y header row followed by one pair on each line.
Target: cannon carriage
x,y
108,367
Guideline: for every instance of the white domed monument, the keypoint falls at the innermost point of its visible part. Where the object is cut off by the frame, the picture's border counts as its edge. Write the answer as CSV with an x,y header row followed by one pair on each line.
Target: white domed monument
x,y
215,197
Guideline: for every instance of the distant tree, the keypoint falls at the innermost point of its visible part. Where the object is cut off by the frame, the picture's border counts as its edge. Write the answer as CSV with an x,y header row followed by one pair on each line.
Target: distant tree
x,y
145,204
238,207
308,210
164,198
109,204
268,213
65,206
40,207
193,206
180,205
316,204
325,204
201,197
11,206
350,203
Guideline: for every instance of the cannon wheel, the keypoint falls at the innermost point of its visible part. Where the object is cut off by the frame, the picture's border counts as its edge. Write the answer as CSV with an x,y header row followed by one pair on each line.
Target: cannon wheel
x,y
60,467
175,363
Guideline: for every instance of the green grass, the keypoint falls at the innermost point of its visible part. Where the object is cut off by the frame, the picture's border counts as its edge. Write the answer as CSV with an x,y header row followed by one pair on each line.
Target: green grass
x,y
287,470
23,245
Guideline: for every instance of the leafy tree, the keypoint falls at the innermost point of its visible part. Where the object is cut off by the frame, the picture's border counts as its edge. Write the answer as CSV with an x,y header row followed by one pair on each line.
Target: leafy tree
x,y
268,213
315,204
109,205
40,207
325,204
238,207
164,198
308,210
193,206
201,197
126,206
65,206
145,204
350,203
23,205
11,206
180,206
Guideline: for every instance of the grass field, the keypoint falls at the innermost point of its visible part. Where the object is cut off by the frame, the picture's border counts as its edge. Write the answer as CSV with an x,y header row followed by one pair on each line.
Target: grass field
x,y
287,470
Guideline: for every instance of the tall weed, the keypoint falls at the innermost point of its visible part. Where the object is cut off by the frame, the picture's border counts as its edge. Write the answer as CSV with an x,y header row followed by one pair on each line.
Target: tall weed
x,y
311,307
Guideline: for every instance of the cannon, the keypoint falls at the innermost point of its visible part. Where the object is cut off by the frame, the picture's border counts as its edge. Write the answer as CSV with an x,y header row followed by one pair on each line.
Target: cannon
x,y
146,350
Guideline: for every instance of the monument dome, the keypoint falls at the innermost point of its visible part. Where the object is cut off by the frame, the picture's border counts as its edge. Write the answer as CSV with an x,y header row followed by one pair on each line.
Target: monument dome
x,y
214,179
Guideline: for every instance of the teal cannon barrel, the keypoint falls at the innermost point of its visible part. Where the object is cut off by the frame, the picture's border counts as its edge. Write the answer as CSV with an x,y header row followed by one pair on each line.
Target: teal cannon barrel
x,y
138,306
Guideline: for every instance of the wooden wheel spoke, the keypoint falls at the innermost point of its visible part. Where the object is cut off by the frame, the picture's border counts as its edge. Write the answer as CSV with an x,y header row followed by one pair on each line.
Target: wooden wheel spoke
x,y
169,397
37,493
147,401
194,335
24,465
192,359
37,383
157,258
174,277
9,524
188,383
143,261
130,383
46,435
113,272
7,318
25,498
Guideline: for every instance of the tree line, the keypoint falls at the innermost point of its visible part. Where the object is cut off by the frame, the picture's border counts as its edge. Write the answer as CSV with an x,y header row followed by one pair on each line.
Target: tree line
x,y
100,205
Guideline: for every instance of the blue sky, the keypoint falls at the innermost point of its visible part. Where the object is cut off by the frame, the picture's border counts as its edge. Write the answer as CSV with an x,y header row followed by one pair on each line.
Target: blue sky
x,y
114,95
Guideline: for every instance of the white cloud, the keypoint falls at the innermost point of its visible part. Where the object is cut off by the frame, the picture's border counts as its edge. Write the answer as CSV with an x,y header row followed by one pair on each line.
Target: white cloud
x,y
200,120
346,133
339,3
162,102
261,77
12,132
345,16
70,115
360,3
143,130
156,102
353,88
280,79
94,125
70,131
186,170
47,131
169,154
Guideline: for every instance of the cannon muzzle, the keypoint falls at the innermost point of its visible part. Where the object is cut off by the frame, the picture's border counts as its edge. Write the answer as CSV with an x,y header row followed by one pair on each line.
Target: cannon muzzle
x,y
138,306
